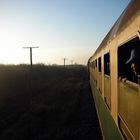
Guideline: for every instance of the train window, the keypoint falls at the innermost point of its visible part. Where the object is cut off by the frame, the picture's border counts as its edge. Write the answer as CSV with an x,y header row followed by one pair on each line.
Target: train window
x,y
128,89
129,61
99,64
107,83
107,64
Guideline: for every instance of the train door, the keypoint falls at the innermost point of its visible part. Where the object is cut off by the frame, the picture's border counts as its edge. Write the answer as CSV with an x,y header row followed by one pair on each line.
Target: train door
x,y
129,89
107,83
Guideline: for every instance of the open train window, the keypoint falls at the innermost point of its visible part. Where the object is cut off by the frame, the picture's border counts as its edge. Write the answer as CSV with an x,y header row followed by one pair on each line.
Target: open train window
x,y
128,89
99,64
129,61
107,64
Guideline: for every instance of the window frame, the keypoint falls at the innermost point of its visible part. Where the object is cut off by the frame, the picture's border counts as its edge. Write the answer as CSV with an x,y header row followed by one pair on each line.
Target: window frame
x,y
107,72
99,64
128,81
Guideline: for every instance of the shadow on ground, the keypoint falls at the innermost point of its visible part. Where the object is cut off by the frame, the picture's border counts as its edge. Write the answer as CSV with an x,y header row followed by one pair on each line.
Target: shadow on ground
x,y
59,106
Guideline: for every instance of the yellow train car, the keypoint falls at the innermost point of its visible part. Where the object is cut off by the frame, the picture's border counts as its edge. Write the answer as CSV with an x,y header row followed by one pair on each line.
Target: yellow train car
x,y
114,72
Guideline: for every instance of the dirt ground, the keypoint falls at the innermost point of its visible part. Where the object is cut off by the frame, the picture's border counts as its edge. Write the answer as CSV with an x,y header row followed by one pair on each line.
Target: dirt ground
x,y
59,106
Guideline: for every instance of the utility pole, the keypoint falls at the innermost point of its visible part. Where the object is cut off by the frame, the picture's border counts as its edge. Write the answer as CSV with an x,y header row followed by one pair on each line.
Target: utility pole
x,y
71,62
64,61
31,63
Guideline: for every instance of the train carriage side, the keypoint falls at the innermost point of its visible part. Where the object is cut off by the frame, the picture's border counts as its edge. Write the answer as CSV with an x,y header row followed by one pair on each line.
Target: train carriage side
x,y
115,77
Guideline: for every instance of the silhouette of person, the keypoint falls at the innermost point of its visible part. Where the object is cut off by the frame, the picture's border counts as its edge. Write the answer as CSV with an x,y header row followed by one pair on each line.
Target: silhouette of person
x,y
132,63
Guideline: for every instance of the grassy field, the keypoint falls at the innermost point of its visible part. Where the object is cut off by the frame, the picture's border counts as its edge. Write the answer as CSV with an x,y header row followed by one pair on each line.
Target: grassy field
x,y
56,105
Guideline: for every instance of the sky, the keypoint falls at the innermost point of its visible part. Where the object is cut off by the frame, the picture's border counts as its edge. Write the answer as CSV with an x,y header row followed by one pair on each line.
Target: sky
x,y
71,29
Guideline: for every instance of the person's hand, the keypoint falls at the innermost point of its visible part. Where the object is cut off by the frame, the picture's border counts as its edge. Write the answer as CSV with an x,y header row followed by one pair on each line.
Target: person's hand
x,y
122,78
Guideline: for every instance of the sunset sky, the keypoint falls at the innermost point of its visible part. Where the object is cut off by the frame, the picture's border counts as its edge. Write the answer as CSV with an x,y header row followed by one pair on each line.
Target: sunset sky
x,y
61,28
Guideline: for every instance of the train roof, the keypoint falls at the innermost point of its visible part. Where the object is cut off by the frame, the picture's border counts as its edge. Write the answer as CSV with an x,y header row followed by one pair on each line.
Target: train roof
x,y
132,10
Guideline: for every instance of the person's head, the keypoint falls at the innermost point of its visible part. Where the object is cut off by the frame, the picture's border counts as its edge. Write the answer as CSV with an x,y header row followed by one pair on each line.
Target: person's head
x,y
133,66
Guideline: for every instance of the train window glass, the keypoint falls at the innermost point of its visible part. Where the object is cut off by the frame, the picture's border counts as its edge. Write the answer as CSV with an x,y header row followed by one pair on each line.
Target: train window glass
x,y
129,61
107,64
99,64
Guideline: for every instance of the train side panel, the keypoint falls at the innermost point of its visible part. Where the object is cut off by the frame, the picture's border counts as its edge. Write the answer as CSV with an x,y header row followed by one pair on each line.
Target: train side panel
x,y
109,128
116,94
